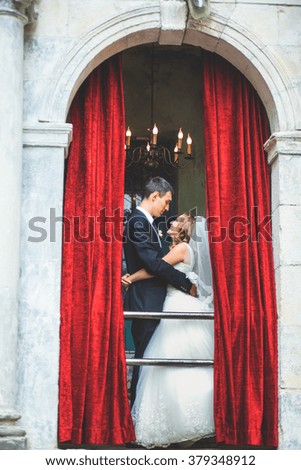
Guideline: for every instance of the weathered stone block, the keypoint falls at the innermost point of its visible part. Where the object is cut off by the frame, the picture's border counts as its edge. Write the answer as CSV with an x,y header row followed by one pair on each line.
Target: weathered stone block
x,y
12,443
244,14
290,419
34,91
195,37
290,353
43,172
289,179
12,437
290,57
39,53
44,27
289,25
289,295
173,14
286,223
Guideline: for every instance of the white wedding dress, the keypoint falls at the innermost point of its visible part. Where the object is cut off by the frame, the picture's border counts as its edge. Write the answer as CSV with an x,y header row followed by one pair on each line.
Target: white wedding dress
x,y
175,404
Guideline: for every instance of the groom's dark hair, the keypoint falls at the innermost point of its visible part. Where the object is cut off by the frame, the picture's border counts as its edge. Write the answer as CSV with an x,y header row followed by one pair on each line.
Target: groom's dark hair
x,y
157,184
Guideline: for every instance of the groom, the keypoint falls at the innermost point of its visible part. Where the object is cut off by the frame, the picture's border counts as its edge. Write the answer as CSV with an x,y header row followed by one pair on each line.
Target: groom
x,y
142,247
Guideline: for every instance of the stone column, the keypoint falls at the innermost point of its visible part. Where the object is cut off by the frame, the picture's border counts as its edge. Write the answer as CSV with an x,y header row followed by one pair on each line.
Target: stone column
x,y
44,152
12,20
284,154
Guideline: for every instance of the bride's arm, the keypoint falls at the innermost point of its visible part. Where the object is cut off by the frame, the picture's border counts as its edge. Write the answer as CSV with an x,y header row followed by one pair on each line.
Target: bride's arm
x,y
140,275
176,255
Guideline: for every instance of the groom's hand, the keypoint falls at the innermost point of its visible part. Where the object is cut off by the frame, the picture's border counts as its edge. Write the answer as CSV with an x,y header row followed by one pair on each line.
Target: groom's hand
x,y
125,282
193,291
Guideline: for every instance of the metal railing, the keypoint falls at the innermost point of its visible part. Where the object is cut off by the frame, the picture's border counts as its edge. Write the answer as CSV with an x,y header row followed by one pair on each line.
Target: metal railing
x,y
169,315
165,316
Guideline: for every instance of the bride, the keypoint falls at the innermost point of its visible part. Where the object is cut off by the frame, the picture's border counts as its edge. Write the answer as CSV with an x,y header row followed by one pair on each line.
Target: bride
x,y
175,404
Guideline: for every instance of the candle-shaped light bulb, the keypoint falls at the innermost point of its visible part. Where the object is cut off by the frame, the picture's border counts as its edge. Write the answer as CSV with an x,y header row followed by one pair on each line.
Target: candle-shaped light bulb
x,y
180,138
189,143
128,137
155,134
148,147
176,151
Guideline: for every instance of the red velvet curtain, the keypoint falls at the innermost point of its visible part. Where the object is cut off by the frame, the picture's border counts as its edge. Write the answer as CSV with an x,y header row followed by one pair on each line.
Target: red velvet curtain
x,y
238,207
93,403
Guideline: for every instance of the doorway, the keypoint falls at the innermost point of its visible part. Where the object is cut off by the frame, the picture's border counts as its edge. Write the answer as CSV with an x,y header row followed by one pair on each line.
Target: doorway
x,y
164,84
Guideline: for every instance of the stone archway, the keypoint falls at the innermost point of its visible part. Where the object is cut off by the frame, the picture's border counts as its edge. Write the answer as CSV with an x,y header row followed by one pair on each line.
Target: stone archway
x,y
49,138
217,34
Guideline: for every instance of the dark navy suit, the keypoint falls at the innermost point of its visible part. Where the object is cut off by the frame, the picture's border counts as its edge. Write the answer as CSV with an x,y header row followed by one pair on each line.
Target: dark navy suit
x,y
142,250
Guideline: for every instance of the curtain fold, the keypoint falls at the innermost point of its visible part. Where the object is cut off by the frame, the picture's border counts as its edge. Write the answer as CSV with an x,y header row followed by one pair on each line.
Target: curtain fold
x,y
238,207
93,402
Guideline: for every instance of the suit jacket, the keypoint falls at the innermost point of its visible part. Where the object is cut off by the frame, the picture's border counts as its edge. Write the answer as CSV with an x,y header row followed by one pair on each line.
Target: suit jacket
x,y
142,250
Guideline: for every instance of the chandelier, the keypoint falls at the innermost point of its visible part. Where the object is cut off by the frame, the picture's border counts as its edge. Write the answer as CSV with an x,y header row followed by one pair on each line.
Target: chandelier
x,y
150,153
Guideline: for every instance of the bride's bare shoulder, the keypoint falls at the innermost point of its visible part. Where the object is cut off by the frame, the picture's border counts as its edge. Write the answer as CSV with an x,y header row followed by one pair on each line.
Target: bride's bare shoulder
x,y
180,247
176,254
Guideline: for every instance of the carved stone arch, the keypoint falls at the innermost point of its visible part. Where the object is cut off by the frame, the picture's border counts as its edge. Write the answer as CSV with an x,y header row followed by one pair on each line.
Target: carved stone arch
x,y
144,25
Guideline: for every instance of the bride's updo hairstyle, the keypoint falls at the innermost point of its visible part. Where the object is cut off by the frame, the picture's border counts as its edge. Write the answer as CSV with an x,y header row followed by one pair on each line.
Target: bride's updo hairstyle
x,y
185,227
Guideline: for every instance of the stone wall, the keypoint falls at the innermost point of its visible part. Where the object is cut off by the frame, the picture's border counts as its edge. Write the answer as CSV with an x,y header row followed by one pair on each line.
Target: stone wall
x,y
262,39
